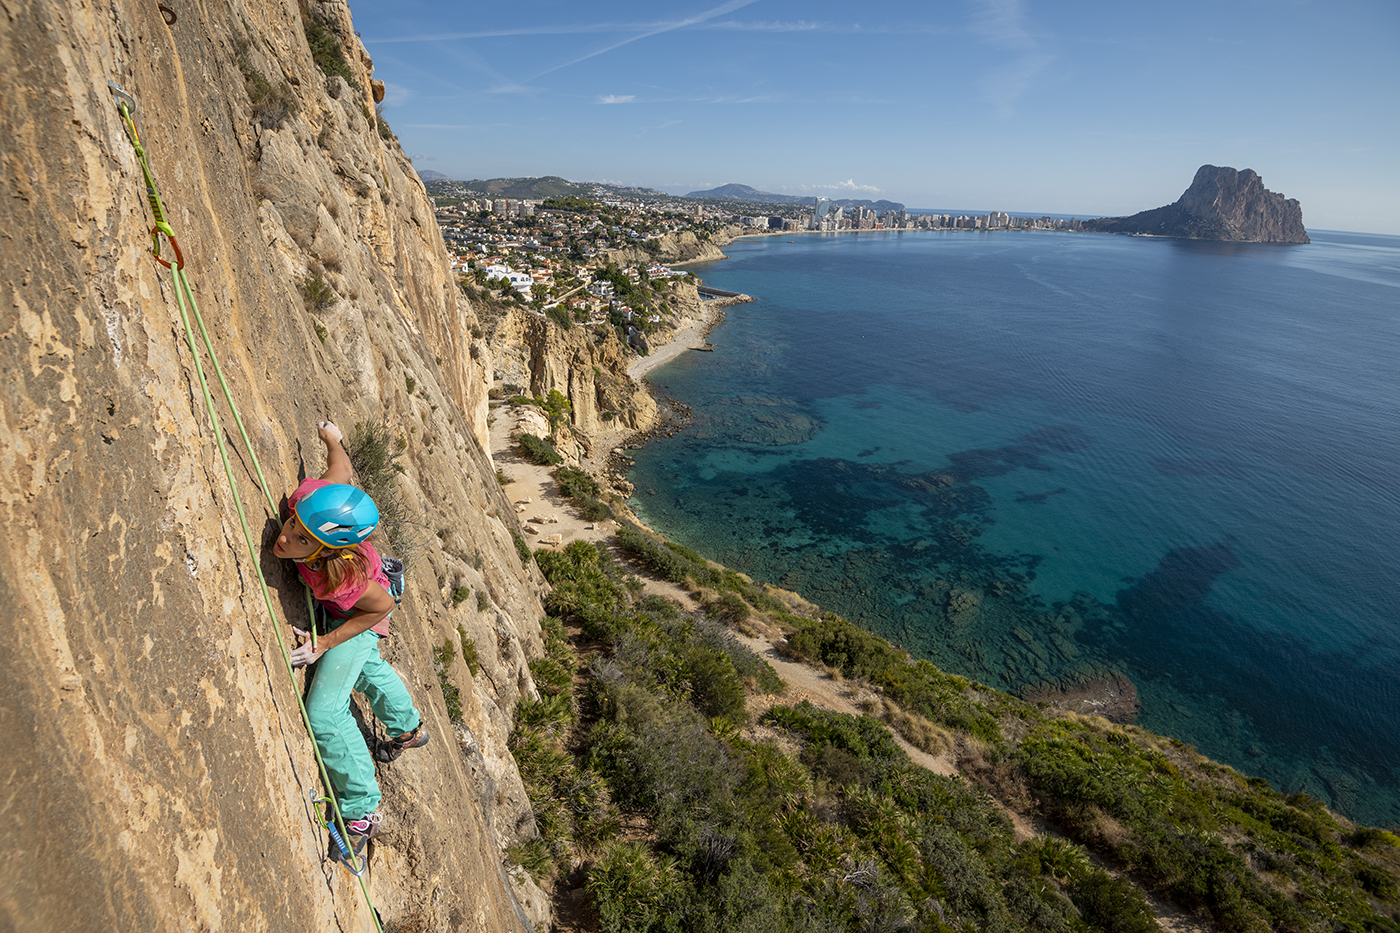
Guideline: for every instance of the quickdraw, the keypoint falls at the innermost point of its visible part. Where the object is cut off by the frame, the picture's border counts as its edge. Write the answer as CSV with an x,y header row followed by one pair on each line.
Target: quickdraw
x,y
126,105
344,855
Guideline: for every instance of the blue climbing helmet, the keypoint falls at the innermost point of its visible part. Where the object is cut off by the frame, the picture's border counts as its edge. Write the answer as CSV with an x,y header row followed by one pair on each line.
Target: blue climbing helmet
x,y
338,515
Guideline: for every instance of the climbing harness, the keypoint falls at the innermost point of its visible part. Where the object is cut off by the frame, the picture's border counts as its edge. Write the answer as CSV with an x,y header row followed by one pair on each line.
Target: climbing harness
x,y
185,300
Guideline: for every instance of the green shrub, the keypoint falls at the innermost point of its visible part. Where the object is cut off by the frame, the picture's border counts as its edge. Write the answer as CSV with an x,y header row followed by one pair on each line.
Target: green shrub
x,y
715,687
1366,837
469,653
653,556
583,490
522,549
327,52
538,450
632,889
575,483
730,607
558,407
918,686
1111,904
459,595
373,448
316,293
1376,882
272,104
442,660
533,855
572,806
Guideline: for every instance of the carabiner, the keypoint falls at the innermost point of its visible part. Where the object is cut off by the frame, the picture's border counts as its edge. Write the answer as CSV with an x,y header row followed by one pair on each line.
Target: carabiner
x,y
123,98
156,231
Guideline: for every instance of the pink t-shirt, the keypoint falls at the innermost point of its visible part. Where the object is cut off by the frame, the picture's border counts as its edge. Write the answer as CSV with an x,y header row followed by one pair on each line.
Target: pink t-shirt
x,y
342,602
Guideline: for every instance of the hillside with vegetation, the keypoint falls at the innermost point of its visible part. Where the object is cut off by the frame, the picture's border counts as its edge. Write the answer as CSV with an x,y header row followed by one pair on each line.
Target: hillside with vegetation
x,y
671,807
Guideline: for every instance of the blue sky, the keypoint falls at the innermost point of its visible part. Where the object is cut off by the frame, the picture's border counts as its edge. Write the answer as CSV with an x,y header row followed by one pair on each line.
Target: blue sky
x,y
1068,107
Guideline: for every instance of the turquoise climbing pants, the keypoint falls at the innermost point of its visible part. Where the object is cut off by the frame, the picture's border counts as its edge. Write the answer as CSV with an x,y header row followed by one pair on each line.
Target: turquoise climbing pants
x,y
356,665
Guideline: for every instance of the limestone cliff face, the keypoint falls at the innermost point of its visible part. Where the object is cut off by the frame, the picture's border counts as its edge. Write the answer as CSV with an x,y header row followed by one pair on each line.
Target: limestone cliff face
x,y
535,353
159,771
1220,204
673,247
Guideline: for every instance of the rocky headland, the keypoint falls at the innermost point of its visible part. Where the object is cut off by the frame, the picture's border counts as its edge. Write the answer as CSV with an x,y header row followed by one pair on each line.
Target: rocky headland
x,y
1220,204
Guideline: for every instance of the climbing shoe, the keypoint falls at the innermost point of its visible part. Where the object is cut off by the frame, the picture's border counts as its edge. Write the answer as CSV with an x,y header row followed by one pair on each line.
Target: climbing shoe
x,y
390,751
361,831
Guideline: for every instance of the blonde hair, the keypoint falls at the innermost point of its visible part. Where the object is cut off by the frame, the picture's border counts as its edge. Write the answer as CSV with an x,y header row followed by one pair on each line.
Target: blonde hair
x,y
341,567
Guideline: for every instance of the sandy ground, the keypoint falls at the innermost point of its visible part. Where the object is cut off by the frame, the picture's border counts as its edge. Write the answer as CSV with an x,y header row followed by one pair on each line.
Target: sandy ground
x,y
687,338
544,512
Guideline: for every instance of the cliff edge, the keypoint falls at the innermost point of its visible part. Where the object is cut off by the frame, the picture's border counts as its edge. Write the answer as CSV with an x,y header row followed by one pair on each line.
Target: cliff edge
x,y
1220,204
160,776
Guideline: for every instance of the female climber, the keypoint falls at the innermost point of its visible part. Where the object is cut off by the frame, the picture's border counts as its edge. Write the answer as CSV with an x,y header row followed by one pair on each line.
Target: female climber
x,y
326,537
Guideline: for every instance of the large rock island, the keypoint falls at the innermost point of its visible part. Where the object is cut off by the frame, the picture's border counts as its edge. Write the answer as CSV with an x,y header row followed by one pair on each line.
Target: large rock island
x,y
1221,204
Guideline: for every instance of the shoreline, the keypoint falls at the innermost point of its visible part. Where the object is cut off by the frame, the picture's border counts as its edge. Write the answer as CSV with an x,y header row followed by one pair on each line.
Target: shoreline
x,y
690,337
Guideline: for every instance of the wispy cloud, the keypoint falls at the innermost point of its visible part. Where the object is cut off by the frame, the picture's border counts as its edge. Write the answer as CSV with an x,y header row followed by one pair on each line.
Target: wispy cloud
x,y
561,30
656,30
1002,25
454,126
849,185
800,25
679,99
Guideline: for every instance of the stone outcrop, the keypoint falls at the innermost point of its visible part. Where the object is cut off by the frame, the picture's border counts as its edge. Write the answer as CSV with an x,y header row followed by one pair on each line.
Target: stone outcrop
x,y
1101,693
160,774
676,248
1221,204
588,365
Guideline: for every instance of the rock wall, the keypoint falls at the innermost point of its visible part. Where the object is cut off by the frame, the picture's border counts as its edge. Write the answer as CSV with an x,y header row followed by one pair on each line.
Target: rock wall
x,y
533,352
674,248
160,774
1220,204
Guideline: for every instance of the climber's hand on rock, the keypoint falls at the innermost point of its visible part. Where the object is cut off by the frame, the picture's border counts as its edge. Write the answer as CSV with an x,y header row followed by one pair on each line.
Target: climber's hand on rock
x,y
328,432
305,653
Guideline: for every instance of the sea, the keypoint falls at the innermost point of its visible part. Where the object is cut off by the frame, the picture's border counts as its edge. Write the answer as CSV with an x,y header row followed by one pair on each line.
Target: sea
x,y
1041,457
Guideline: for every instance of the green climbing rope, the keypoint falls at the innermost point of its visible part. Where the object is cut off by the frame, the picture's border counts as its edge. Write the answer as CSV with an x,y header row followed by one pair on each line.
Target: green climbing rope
x,y
185,300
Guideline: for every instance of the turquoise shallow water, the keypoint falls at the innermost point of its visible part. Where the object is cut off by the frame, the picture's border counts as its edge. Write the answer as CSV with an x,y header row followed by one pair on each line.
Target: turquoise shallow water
x,y
1166,458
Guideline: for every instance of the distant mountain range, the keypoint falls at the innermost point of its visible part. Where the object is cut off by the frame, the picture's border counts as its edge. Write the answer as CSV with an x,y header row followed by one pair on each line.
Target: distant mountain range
x,y
735,192
537,189
552,186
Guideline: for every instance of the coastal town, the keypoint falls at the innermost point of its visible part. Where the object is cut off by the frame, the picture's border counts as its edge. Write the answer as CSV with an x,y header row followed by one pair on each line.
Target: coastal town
x,y
592,257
